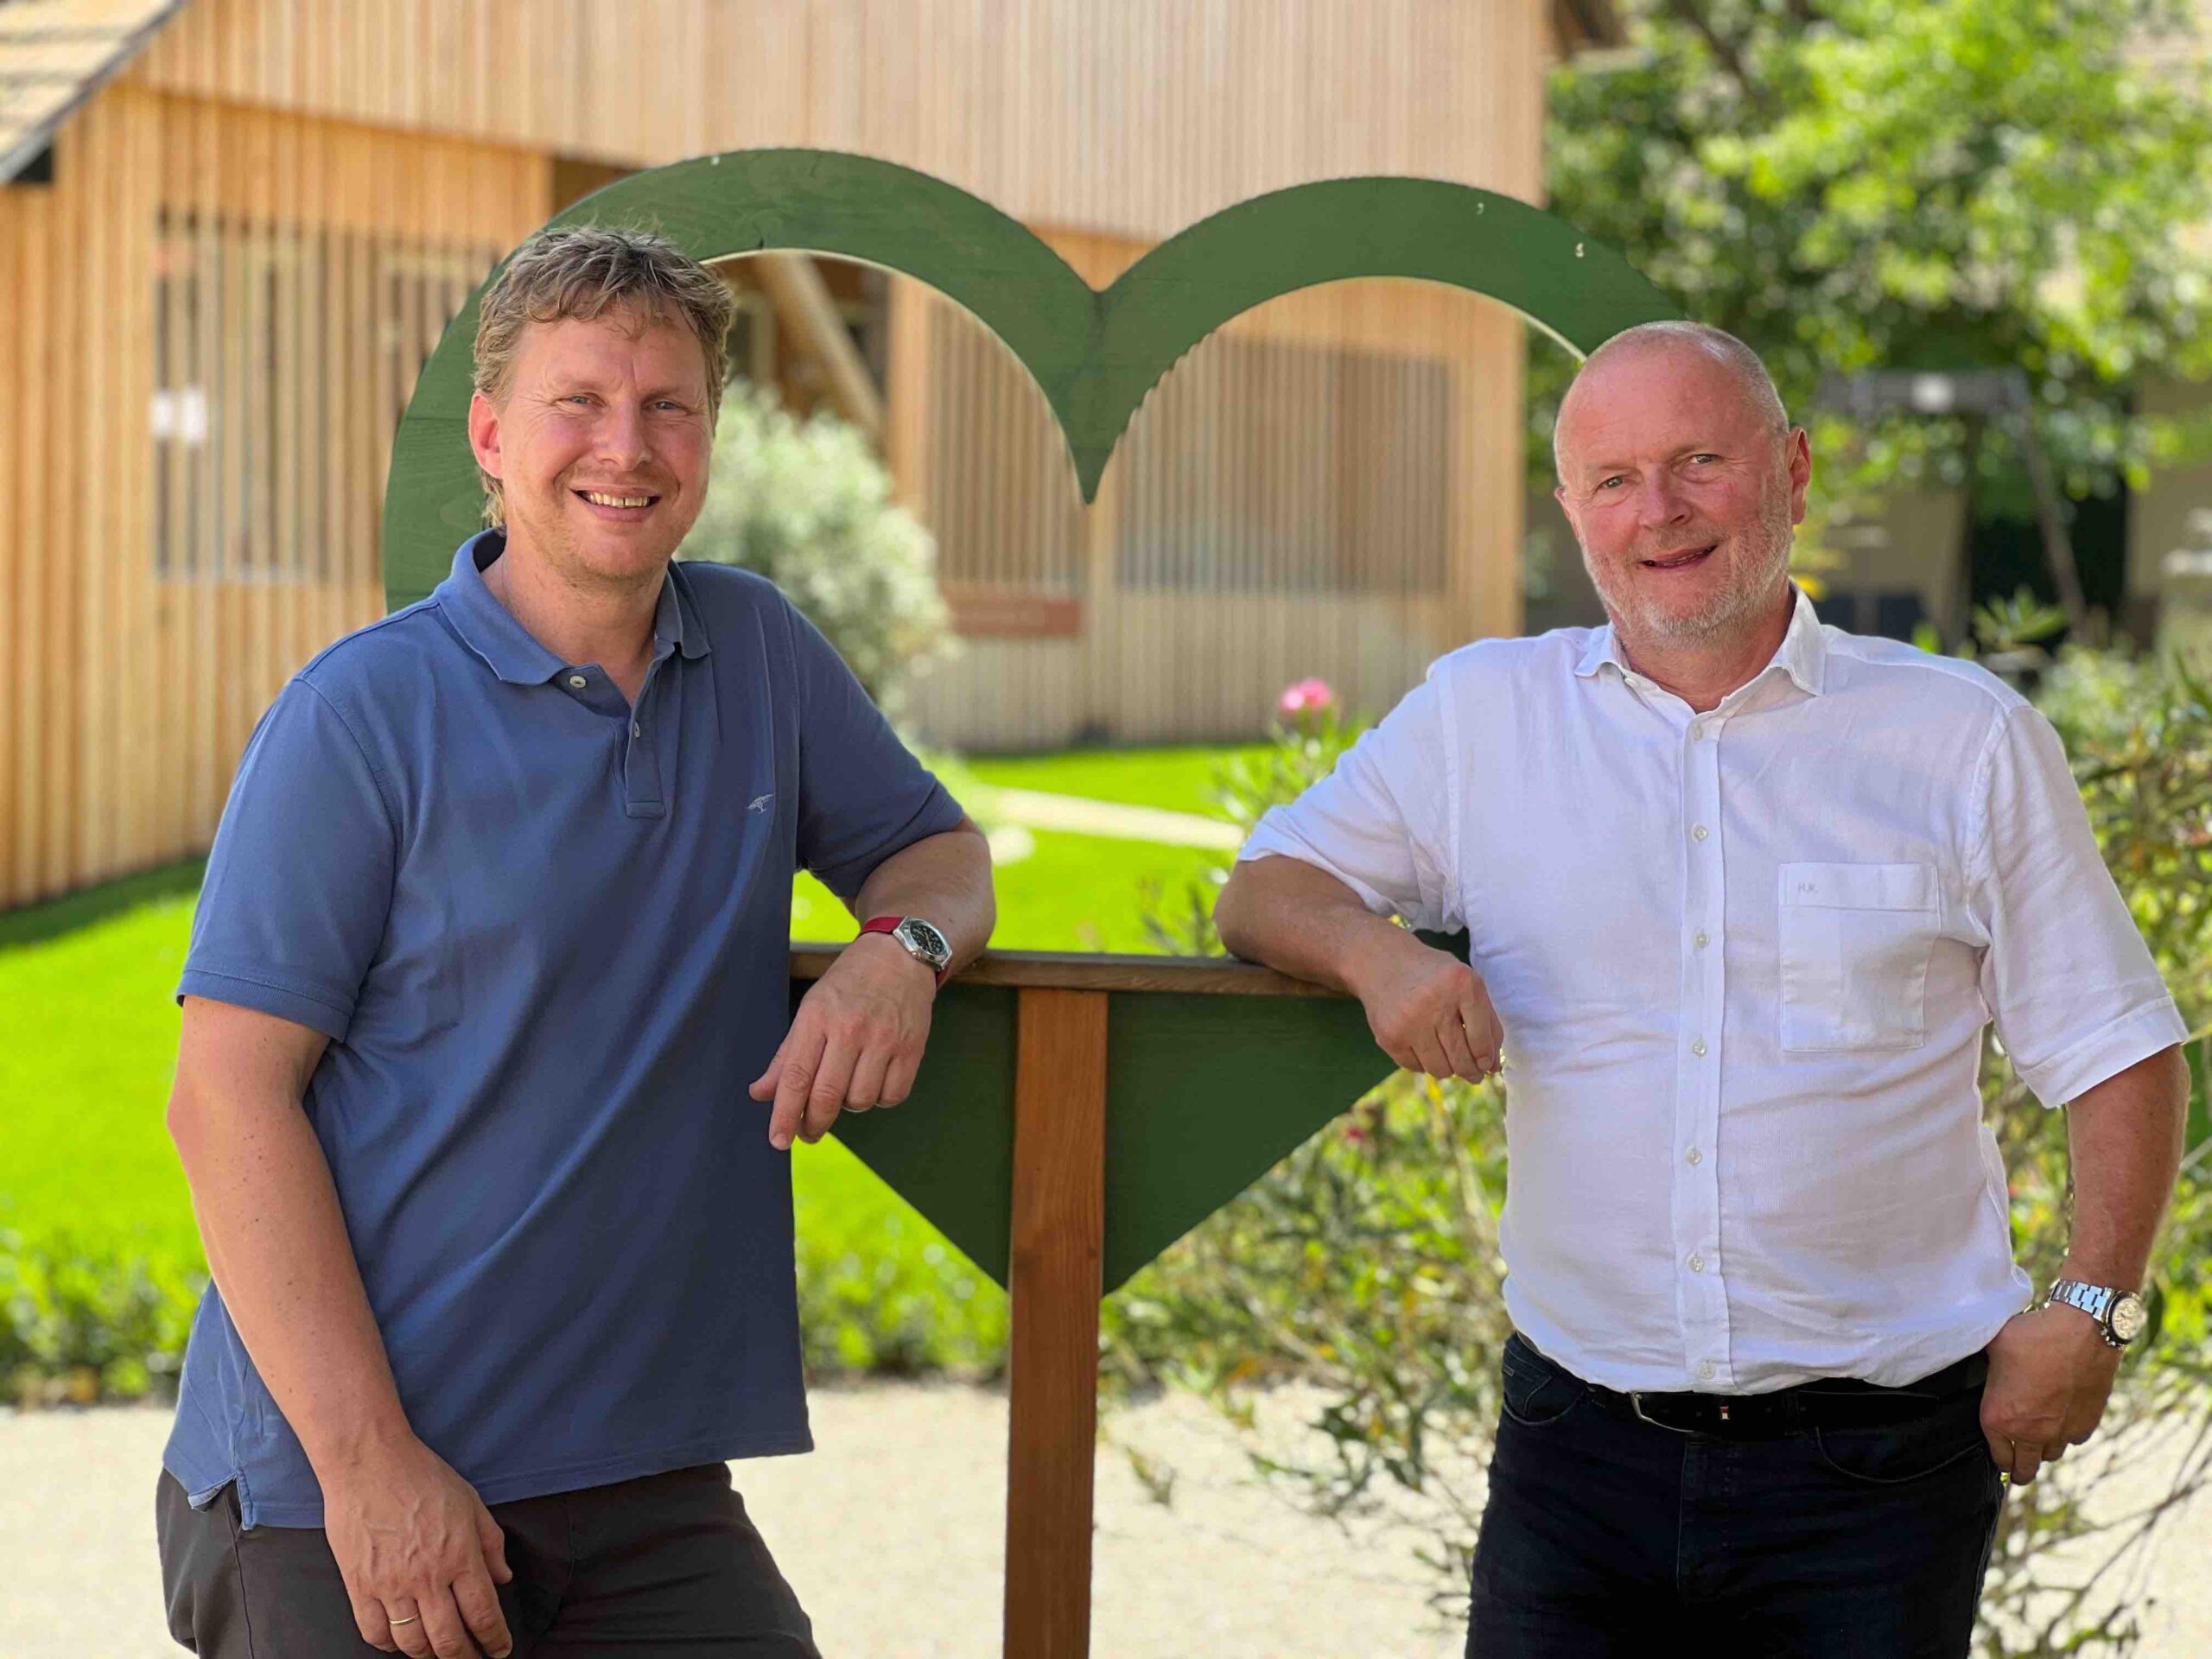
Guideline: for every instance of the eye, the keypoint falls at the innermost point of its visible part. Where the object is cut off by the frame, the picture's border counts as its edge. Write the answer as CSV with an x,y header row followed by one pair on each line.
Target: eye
x,y
1705,455
1608,483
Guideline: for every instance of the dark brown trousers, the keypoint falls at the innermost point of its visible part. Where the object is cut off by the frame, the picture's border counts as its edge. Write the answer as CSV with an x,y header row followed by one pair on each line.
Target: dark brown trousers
x,y
664,1564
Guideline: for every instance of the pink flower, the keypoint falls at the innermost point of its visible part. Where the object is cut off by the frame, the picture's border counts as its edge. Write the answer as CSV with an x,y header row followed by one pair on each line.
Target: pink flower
x,y
1306,698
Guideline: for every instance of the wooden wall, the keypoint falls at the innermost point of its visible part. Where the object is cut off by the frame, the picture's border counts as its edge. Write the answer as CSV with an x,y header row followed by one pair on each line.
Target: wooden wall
x,y
208,325
1131,115
1324,487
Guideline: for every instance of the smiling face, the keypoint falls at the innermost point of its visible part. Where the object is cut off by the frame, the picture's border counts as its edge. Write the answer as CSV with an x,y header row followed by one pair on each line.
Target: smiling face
x,y
601,442
1682,493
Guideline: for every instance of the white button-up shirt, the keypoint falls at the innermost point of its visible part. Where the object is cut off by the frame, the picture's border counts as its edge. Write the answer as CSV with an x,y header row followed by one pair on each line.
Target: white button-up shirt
x,y
1743,960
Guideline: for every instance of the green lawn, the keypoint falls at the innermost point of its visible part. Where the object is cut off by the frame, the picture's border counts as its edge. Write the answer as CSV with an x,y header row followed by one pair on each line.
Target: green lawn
x,y
88,1031
1179,779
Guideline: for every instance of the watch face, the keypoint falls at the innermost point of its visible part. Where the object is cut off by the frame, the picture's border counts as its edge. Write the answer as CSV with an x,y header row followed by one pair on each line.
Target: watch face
x,y
2128,1317
927,943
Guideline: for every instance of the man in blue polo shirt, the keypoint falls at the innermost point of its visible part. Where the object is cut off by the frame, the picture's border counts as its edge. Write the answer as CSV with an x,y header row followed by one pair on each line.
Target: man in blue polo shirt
x,y
486,1089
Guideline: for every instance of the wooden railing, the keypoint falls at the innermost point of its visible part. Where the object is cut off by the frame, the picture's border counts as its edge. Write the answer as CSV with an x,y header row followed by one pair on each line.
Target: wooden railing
x,y
1053,1279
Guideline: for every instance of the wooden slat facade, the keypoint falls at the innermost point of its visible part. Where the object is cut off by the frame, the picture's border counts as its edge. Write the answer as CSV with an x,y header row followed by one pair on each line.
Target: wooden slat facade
x,y
1135,116
213,318
214,313
1321,487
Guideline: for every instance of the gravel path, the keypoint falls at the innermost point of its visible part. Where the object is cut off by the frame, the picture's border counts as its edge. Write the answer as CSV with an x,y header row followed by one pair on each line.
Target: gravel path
x,y
892,1535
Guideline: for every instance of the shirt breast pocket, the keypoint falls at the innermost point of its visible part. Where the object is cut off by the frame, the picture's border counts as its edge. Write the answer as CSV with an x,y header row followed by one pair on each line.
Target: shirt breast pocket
x,y
1855,942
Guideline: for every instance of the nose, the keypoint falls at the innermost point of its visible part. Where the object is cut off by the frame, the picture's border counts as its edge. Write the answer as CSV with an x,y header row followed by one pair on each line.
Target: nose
x,y
622,436
1659,501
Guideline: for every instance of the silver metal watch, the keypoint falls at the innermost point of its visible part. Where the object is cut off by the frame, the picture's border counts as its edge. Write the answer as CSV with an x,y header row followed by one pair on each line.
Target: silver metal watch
x,y
924,944
2120,1314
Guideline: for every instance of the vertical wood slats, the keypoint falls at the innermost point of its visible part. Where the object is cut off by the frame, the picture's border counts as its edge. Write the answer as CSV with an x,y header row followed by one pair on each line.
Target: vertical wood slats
x,y
201,266
1329,486
1134,116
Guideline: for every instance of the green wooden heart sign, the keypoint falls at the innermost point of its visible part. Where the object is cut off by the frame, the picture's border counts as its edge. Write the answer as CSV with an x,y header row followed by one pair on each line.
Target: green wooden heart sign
x,y
1204,1094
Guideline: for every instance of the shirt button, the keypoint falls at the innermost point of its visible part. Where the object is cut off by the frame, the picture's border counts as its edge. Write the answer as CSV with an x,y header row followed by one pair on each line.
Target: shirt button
x,y
1702,941
578,681
1698,1048
1705,1370
1693,1156
636,730
1698,833
1697,1264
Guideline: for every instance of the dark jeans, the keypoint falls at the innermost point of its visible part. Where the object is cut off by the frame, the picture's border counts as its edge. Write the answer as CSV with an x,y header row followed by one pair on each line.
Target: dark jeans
x,y
664,1564
1605,1535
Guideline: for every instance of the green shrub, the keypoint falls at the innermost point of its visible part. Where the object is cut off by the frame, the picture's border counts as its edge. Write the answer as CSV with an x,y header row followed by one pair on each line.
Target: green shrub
x,y
85,1320
900,1302
1366,1263
808,505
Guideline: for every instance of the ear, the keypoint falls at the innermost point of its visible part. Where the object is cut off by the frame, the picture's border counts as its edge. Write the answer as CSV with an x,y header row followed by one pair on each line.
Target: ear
x,y
484,432
1799,461
1566,507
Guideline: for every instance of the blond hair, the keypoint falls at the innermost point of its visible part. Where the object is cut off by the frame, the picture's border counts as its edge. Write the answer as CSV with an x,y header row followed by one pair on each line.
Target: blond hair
x,y
580,272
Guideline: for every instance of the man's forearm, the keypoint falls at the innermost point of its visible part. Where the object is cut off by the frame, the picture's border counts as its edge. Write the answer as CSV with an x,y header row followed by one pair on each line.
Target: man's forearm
x,y
1303,922
2125,1139
277,1243
945,879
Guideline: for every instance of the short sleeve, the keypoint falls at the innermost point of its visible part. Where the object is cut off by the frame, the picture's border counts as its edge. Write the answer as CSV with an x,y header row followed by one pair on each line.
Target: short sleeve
x,y
862,795
2073,989
1380,821
298,883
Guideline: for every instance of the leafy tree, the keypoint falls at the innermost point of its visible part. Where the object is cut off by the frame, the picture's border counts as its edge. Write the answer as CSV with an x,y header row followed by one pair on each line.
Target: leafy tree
x,y
1854,184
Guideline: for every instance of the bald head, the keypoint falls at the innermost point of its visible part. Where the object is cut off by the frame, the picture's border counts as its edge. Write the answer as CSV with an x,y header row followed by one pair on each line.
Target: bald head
x,y
1684,483
1741,364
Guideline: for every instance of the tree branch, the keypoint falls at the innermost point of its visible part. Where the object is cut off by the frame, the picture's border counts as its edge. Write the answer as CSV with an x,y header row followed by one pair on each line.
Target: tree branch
x,y
1692,16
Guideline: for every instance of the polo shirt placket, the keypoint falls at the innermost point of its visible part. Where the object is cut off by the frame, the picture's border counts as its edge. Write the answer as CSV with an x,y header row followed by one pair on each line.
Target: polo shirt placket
x,y
638,729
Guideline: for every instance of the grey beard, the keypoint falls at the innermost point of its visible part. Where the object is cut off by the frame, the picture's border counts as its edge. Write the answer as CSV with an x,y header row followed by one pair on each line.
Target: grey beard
x,y
1746,600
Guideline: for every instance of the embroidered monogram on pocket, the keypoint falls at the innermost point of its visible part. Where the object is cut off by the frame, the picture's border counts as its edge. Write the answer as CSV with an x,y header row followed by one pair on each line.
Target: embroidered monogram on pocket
x,y
1855,940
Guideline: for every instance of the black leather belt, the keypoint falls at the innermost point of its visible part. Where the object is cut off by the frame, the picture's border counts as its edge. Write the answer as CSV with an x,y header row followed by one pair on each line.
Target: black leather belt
x,y
1828,1402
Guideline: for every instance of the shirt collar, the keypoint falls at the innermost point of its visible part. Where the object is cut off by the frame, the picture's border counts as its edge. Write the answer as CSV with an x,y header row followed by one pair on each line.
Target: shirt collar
x,y
1802,655
487,628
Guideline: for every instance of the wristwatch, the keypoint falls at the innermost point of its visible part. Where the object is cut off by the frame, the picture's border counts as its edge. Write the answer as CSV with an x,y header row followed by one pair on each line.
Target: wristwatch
x,y
923,942
2120,1314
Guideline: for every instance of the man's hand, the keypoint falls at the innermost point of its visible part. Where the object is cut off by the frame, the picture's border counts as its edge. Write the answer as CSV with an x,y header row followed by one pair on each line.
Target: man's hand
x,y
419,1554
855,1042
2051,1372
1428,1009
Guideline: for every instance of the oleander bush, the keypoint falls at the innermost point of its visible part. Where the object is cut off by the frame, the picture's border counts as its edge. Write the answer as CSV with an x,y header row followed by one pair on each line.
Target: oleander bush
x,y
1366,1267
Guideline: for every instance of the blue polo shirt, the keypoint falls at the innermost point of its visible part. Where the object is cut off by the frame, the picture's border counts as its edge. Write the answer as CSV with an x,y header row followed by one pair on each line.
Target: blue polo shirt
x,y
547,937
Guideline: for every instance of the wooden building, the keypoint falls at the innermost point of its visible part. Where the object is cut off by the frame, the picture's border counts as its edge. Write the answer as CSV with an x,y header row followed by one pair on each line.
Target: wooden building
x,y
231,230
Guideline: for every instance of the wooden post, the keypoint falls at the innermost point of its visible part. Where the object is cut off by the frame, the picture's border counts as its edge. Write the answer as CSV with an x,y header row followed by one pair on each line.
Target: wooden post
x,y
1054,1280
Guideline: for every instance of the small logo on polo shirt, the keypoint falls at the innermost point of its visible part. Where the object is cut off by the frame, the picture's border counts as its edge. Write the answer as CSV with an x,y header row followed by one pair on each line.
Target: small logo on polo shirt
x,y
758,802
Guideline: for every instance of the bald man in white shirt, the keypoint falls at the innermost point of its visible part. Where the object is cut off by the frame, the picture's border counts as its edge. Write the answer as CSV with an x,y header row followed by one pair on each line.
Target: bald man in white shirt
x,y
1742,891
